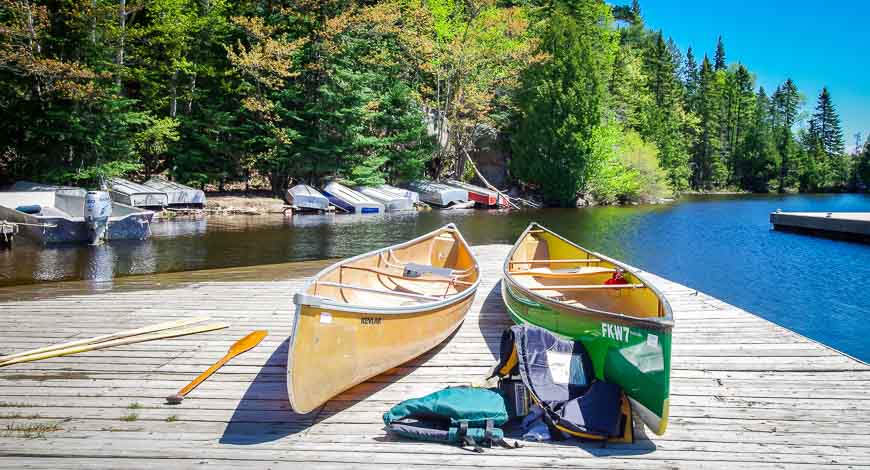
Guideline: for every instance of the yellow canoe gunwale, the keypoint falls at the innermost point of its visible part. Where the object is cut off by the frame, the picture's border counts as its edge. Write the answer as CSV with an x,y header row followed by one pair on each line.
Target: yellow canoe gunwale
x,y
302,300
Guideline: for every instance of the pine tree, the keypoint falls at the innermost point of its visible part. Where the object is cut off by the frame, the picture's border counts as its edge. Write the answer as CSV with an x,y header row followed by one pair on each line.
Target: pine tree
x,y
826,123
862,168
786,101
706,162
739,99
665,117
757,164
689,75
720,55
630,98
562,101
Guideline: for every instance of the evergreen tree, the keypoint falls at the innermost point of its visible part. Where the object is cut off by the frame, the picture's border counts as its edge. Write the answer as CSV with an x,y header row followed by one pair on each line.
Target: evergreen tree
x,y
630,98
666,117
689,75
862,168
786,102
720,55
757,164
739,105
562,102
826,123
706,163
636,34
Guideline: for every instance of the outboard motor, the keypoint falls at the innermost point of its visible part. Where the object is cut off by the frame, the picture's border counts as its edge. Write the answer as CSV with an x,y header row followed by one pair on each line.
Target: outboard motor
x,y
98,209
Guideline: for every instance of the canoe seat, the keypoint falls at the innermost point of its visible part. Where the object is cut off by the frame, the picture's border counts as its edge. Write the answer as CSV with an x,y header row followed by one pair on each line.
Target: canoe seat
x,y
563,273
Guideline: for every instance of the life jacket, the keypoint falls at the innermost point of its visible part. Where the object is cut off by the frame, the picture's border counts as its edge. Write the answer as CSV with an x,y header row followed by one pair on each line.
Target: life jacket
x,y
557,374
467,416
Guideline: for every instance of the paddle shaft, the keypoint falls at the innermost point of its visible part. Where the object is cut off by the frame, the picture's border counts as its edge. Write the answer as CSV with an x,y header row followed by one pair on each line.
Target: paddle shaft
x,y
109,337
117,342
211,370
239,347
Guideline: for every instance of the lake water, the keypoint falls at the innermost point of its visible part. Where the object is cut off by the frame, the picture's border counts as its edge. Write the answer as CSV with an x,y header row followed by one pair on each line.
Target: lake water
x,y
722,245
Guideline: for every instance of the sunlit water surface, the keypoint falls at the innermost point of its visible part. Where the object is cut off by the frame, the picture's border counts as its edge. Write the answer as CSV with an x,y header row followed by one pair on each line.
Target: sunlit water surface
x,y
721,245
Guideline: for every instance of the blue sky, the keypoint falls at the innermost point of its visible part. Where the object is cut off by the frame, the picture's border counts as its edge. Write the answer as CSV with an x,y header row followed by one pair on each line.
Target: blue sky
x,y
816,44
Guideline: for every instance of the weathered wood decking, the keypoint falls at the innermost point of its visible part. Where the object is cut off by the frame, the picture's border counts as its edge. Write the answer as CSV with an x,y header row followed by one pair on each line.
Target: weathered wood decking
x,y
746,393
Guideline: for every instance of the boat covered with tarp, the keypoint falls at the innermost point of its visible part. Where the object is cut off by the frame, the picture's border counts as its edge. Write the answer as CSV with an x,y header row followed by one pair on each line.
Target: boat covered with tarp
x,y
307,198
177,194
365,315
350,200
438,194
622,320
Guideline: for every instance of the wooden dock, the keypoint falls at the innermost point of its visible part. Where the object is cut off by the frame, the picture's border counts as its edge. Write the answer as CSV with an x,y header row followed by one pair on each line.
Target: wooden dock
x,y
746,393
848,225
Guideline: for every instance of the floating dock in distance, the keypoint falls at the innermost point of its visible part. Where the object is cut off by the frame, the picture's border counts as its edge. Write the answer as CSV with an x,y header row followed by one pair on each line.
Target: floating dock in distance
x,y
840,225
745,393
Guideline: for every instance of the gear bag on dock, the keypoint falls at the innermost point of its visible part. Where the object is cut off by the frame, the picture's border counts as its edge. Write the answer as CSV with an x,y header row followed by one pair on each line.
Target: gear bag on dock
x,y
467,416
536,367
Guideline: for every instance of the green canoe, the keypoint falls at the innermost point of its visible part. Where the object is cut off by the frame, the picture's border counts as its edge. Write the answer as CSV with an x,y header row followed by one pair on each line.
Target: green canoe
x,y
623,321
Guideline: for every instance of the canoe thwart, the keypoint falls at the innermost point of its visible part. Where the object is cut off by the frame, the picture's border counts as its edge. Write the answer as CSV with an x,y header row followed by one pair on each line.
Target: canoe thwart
x,y
377,291
589,287
557,261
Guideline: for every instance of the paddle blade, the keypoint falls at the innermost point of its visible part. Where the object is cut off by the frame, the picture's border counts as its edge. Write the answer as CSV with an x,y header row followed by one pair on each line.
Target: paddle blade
x,y
247,342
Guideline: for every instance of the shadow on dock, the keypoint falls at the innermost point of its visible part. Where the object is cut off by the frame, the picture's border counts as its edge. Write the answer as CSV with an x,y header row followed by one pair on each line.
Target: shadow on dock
x,y
262,415
492,320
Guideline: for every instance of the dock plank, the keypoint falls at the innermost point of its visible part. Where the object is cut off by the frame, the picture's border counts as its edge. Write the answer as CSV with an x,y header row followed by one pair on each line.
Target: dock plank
x,y
745,392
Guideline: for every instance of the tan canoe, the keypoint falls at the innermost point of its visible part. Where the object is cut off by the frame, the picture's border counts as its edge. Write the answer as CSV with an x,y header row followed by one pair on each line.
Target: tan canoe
x,y
365,315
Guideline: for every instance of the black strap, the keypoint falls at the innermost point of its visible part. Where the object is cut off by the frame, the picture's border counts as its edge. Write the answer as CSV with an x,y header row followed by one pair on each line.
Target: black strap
x,y
468,441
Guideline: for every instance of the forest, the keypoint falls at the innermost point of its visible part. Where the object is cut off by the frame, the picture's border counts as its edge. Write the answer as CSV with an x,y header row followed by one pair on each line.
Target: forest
x,y
580,95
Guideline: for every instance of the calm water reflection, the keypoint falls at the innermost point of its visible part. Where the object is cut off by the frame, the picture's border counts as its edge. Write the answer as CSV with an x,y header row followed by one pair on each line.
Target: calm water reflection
x,y
720,245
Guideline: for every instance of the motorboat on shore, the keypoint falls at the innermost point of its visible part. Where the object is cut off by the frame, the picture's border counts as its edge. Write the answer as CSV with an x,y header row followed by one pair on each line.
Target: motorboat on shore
x,y
73,215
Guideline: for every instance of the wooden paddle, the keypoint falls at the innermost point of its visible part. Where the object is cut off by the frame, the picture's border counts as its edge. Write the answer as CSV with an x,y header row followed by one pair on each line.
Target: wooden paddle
x,y
237,348
110,337
118,342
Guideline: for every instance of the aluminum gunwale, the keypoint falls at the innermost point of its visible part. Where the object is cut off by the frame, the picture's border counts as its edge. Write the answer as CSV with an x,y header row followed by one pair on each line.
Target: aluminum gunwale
x,y
657,323
299,299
